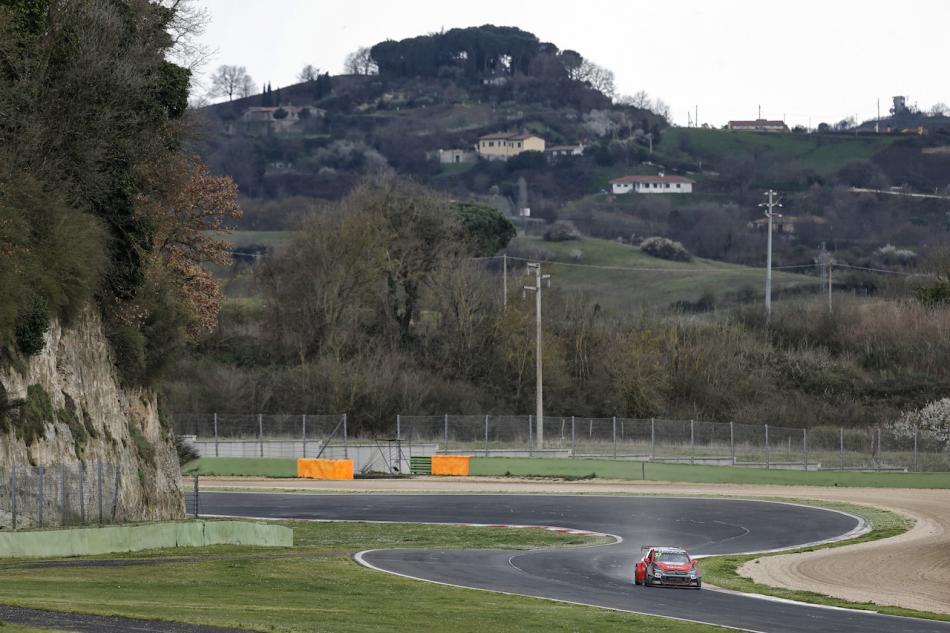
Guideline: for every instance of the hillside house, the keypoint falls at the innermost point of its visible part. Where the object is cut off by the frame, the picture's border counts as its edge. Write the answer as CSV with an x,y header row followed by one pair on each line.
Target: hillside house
x,y
758,125
276,113
652,184
565,150
503,145
456,156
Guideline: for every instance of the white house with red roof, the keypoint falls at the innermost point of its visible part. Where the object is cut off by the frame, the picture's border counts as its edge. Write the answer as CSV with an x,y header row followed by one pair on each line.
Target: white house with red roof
x,y
652,184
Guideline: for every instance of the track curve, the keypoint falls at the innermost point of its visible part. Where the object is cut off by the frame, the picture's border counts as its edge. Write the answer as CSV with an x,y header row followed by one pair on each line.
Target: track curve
x,y
597,576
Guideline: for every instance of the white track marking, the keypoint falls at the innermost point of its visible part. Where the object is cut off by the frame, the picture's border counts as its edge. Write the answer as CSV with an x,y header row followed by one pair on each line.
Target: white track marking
x,y
360,559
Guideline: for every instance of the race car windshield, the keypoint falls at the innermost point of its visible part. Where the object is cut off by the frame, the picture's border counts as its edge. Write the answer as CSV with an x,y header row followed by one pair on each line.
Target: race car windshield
x,y
671,558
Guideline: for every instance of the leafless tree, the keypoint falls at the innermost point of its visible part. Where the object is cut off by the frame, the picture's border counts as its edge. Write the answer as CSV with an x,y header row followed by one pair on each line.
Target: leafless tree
x,y
360,62
599,78
640,100
188,22
247,87
229,81
940,109
308,73
662,109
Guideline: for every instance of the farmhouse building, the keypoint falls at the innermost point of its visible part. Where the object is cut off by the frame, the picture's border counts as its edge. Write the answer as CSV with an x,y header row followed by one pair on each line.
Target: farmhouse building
x,y
565,150
456,156
502,145
652,184
759,125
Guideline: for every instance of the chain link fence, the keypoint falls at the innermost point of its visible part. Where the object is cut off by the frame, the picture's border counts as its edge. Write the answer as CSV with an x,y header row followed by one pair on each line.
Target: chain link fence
x,y
263,435
58,495
675,441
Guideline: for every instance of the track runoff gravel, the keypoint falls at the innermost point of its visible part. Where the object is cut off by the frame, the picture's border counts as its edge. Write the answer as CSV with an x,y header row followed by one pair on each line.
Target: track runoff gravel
x,y
911,570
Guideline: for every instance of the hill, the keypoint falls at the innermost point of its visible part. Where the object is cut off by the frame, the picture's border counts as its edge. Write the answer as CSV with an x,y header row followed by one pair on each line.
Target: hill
x,y
315,140
621,277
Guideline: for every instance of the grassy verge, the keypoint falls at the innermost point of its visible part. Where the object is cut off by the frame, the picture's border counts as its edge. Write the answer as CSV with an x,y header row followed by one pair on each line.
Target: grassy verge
x,y
620,289
242,467
722,571
316,586
16,628
653,471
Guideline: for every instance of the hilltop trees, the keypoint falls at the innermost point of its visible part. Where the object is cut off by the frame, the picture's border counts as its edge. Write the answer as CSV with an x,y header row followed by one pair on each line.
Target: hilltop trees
x,y
308,73
485,51
360,62
230,81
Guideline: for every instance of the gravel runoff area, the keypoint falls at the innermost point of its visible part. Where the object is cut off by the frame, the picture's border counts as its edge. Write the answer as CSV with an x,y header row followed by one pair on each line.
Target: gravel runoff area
x,y
911,570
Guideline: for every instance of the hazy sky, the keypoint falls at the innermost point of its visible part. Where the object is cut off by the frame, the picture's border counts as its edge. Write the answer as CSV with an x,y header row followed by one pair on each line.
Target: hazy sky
x,y
806,60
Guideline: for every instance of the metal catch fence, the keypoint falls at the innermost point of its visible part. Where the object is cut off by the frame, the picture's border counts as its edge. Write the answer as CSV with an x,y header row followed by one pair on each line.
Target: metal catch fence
x,y
676,441
58,495
263,435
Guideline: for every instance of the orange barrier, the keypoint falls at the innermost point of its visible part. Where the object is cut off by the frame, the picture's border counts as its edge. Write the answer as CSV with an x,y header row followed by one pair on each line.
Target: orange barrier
x,y
334,469
450,464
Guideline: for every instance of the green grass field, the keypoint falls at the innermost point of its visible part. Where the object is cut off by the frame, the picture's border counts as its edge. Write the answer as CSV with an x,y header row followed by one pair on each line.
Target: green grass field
x,y
242,467
316,586
631,289
634,470
607,469
824,154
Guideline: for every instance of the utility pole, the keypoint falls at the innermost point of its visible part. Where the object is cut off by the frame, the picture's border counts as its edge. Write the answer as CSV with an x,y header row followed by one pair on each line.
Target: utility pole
x,y
504,277
769,213
830,264
539,408
824,263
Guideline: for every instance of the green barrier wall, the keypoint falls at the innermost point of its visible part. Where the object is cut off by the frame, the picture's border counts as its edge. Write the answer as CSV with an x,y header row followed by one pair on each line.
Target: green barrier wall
x,y
131,538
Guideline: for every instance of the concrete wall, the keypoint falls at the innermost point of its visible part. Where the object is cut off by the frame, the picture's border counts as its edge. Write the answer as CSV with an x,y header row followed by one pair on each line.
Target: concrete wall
x,y
132,538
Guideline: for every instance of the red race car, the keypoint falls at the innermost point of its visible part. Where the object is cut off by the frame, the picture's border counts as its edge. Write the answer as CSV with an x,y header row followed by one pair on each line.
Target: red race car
x,y
668,567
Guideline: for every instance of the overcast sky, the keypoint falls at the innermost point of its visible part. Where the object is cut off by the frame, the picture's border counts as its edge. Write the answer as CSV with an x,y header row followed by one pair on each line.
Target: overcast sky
x,y
805,60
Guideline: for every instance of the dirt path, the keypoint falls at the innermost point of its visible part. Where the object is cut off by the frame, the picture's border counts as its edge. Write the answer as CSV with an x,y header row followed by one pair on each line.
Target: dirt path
x,y
911,570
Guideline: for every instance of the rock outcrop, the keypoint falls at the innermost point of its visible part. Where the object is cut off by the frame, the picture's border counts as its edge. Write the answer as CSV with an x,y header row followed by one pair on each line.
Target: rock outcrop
x,y
74,409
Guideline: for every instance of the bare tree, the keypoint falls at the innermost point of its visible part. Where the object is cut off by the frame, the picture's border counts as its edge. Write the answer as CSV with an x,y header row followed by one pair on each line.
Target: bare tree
x,y
308,73
940,109
662,109
187,23
360,62
229,81
598,77
247,87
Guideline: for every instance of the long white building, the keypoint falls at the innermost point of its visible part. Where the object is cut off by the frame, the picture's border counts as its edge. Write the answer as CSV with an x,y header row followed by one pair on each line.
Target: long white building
x,y
652,184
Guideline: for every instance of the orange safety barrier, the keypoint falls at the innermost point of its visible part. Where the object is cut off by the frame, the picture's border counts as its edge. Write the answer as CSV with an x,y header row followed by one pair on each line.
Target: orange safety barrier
x,y
334,469
450,464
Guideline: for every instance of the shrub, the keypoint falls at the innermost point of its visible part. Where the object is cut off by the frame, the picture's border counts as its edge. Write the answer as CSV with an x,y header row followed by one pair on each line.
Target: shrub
x,y
933,419
31,326
561,231
35,412
128,343
893,255
186,452
665,249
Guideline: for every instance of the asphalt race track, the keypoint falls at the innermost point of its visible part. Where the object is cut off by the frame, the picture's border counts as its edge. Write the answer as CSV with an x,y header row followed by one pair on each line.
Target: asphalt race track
x,y
602,575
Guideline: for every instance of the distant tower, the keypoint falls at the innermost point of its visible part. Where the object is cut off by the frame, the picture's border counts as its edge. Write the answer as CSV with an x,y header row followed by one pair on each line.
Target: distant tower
x,y
900,105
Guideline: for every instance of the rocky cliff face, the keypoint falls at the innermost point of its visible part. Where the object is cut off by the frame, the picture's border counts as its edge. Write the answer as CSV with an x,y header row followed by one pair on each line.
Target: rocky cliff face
x,y
74,410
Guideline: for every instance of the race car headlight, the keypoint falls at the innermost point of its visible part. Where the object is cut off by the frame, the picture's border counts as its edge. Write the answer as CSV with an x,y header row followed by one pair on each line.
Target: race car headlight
x,y
657,573
692,572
